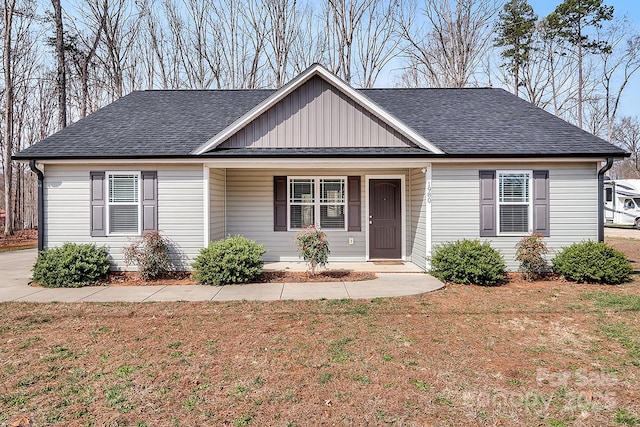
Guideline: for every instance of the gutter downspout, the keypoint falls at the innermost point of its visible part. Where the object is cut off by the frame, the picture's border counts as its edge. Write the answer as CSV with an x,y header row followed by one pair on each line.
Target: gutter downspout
x,y
32,165
601,173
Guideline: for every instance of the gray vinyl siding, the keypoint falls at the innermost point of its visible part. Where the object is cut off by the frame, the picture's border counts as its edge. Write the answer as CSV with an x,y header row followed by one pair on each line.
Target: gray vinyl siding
x,y
573,204
316,115
180,209
217,204
250,213
417,206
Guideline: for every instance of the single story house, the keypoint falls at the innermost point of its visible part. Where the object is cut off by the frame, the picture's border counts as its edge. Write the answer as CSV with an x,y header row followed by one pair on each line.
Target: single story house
x,y
387,173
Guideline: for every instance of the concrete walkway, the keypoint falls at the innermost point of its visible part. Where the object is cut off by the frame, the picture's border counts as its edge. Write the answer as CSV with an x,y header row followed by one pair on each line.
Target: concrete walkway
x,y
15,271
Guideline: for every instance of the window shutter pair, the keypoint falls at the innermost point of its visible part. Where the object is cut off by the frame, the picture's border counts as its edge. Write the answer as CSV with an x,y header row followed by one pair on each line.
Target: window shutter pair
x,y
280,203
489,205
149,198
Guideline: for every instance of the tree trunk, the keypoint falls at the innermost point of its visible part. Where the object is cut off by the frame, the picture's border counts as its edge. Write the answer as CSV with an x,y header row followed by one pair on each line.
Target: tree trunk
x,y
580,82
61,77
8,10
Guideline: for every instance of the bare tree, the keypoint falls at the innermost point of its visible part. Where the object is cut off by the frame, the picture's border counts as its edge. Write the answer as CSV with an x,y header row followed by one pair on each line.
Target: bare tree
x,y
153,38
626,134
121,26
361,38
377,41
203,58
342,20
20,61
310,47
241,36
549,78
82,47
451,47
569,22
284,28
618,65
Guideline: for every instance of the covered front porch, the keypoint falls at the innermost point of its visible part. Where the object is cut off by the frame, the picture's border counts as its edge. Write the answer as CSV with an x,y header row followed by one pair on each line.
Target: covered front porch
x,y
376,215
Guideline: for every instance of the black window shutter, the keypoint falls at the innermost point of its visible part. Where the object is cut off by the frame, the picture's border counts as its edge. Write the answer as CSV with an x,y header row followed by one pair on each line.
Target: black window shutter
x,y
149,201
354,212
488,203
541,202
98,218
279,203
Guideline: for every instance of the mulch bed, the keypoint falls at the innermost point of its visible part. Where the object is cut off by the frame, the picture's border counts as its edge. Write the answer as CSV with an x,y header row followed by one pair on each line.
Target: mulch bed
x,y
128,278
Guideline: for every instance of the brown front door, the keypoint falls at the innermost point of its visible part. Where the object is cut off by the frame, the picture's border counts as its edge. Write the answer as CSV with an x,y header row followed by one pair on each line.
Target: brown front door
x,y
385,219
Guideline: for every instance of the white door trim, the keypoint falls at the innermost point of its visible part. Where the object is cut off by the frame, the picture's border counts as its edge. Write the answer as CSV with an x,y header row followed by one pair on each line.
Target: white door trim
x,y
403,211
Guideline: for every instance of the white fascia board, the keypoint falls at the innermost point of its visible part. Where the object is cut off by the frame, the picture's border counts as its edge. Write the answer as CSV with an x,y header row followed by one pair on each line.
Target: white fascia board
x,y
296,162
285,90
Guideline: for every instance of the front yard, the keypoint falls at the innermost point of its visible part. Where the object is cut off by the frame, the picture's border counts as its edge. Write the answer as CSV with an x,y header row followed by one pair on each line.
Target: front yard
x,y
547,353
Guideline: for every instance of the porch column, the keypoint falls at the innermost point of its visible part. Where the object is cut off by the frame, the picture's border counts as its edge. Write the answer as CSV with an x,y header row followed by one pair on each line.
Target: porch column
x,y
427,227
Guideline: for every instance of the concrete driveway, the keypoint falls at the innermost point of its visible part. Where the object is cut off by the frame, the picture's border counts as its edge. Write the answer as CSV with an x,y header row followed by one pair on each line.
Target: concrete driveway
x,y
15,267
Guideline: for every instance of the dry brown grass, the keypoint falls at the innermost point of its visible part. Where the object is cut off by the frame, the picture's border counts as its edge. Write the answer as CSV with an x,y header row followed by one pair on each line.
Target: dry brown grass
x,y
546,353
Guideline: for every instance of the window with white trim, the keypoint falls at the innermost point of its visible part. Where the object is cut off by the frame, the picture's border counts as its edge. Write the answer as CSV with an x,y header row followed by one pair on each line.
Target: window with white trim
x,y
317,201
514,202
123,202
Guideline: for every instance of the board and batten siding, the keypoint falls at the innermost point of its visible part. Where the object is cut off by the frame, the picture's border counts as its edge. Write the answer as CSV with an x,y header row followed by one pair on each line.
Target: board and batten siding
x,y
217,204
418,215
573,205
250,213
316,115
180,209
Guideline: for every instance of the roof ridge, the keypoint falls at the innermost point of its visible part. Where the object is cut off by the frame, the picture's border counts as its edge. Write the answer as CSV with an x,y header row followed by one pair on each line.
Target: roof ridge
x,y
427,88
206,90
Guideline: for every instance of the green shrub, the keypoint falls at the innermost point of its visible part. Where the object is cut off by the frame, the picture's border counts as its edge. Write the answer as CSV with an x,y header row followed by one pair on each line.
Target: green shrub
x,y
151,254
71,266
468,261
530,251
592,262
313,247
232,260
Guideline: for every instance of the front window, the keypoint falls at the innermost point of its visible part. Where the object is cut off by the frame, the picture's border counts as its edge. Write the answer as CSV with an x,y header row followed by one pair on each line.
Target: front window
x,y
317,201
123,203
514,202
302,203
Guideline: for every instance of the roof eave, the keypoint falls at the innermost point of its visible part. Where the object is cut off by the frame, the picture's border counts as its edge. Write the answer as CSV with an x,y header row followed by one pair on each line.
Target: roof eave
x,y
452,157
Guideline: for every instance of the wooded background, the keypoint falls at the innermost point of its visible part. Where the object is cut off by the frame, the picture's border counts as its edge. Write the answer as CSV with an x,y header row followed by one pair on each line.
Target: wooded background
x,y
64,60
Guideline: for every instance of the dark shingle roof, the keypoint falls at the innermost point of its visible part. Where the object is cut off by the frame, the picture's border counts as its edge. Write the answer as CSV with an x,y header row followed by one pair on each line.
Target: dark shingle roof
x,y
155,123
461,122
485,121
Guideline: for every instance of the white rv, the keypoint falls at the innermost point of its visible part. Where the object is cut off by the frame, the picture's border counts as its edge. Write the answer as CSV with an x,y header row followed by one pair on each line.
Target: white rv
x,y
622,202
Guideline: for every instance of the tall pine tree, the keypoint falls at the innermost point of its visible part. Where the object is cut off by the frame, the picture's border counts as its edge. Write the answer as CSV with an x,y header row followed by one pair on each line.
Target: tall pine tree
x,y
570,21
515,27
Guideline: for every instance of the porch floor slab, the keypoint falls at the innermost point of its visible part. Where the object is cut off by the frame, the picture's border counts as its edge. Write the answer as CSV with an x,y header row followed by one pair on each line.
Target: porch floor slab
x,y
367,267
